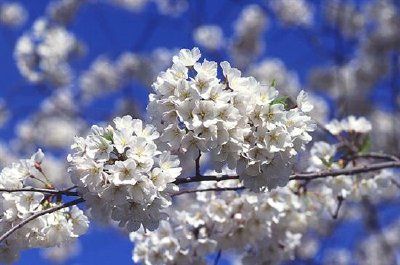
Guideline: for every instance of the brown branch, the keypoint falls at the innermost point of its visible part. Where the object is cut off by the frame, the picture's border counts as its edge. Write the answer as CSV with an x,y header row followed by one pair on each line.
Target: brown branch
x,y
377,156
49,191
38,214
203,178
208,189
302,176
345,171
197,164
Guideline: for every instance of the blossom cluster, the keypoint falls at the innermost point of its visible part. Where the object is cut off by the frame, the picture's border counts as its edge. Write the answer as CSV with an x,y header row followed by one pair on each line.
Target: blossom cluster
x,y
323,157
44,231
239,121
122,174
247,42
57,114
42,54
264,228
105,76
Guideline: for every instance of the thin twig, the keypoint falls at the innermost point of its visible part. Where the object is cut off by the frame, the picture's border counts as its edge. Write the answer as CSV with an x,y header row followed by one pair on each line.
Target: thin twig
x,y
197,164
395,182
377,156
208,189
345,171
50,191
340,200
203,178
38,214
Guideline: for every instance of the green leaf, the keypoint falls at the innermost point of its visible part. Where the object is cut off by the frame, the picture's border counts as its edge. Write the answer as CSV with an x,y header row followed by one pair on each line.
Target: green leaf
x,y
280,100
327,163
273,83
365,146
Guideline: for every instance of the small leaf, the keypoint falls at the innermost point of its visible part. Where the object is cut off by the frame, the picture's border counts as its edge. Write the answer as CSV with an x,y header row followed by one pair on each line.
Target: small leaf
x,y
273,83
327,163
280,100
365,146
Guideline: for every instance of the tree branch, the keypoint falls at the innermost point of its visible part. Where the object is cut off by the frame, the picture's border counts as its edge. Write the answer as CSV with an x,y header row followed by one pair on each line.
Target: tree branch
x,y
345,171
208,189
38,214
203,178
377,156
197,164
302,176
50,191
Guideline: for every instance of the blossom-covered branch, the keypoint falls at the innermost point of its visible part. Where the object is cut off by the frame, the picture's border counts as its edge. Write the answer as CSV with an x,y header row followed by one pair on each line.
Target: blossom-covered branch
x,y
38,214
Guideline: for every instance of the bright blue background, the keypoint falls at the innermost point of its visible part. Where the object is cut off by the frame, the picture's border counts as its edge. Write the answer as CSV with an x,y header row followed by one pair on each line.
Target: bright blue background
x,y
109,30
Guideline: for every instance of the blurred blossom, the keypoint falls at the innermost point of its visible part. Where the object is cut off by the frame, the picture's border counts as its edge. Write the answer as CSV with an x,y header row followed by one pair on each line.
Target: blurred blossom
x,y
210,37
375,250
4,113
60,102
320,112
293,12
346,17
54,125
287,82
247,42
101,77
12,14
7,156
42,54
56,169
64,11
337,257
62,253
386,130
131,5
308,248
171,7
165,7
106,76
63,130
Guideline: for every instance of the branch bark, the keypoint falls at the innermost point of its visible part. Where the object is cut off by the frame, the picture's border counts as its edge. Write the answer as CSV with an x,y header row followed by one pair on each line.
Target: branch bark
x,y
49,191
302,176
208,189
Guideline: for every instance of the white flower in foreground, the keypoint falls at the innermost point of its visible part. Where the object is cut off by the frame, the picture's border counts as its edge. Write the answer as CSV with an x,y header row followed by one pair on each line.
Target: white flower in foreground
x,y
125,176
50,230
197,112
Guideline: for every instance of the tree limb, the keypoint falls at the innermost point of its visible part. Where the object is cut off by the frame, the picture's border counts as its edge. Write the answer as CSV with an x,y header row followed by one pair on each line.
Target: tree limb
x,y
208,189
50,191
302,176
